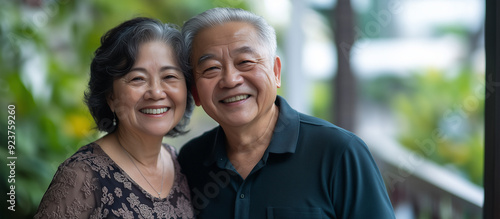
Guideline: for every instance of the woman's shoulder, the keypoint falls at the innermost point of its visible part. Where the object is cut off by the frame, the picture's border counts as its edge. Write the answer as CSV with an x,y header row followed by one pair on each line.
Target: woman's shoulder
x,y
171,150
84,152
90,155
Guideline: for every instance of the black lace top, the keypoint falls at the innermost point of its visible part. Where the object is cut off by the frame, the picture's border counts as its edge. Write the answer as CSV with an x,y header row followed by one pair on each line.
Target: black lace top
x,y
91,185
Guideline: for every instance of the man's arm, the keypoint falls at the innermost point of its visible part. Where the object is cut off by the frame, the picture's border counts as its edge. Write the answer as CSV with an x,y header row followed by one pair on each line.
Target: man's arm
x,y
359,190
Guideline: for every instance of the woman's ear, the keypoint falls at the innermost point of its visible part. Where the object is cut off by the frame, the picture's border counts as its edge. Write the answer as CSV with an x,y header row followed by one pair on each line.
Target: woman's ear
x,y
110,100
196,98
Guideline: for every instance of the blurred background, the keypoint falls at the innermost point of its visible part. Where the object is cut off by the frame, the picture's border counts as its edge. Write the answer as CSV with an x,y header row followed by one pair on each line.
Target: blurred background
x,y
407,76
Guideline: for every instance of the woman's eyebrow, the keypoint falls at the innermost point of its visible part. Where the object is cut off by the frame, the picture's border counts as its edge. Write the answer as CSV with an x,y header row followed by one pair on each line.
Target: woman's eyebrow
x,y
164,68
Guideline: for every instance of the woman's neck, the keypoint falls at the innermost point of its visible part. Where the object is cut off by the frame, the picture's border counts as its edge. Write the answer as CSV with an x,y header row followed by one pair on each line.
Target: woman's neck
x,y
144,149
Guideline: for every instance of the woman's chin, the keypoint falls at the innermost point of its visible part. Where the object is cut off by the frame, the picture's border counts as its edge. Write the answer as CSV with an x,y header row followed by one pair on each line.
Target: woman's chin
x,y
158,131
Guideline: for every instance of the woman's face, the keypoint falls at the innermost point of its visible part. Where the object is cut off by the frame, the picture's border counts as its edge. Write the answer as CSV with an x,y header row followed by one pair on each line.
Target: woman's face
x,y
151,98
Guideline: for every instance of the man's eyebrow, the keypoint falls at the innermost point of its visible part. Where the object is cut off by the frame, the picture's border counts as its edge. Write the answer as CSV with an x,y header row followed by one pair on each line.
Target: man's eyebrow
x,y
241,50
205,58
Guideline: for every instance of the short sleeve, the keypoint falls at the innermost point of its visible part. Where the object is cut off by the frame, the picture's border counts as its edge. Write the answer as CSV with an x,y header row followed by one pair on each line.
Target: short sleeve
x,y
359,190
71,194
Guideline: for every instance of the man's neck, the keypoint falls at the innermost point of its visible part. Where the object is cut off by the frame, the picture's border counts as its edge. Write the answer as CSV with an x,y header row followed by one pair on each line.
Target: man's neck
x,y
246,146
252,136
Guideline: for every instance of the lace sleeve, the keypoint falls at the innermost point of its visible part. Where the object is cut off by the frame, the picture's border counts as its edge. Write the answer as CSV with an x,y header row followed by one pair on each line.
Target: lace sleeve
x,y
71,194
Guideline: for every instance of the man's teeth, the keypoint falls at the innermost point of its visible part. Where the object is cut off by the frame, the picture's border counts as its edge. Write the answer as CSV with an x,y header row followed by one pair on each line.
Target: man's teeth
x,y
154,111
235,98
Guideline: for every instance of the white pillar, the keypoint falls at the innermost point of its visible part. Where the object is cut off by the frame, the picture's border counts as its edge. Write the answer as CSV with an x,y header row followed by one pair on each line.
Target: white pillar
x,y
296,85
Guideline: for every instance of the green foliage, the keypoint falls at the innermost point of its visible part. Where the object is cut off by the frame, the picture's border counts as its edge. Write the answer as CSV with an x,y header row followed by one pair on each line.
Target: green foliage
x,y
46,48
441,118
322,93
439,115
391,84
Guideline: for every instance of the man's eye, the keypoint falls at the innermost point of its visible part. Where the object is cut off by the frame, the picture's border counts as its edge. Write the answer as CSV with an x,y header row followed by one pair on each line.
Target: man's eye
x,y
246,65
211,68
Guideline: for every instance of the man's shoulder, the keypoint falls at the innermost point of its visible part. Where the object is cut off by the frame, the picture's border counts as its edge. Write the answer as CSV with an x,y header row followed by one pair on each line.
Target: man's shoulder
x,y
324,128
199,145
326,138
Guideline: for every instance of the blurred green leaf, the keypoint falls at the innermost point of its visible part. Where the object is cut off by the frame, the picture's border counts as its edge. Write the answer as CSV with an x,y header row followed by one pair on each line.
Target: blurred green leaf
x,y
445,111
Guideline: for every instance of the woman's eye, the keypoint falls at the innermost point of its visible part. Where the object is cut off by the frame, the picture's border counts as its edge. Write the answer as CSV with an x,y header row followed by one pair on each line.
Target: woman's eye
x,y
137,79
169,77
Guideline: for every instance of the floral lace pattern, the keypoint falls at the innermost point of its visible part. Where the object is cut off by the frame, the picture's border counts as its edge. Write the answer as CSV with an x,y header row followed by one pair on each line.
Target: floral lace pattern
x,y
90,185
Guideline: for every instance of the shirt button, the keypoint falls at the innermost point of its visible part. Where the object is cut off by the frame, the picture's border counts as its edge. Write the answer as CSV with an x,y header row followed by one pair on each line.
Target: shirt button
x,y
242,196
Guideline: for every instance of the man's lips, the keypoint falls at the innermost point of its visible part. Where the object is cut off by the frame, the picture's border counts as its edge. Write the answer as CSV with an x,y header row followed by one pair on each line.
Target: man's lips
x,y
235,98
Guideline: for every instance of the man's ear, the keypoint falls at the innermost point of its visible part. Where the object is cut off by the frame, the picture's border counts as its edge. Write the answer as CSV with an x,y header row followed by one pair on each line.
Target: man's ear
x,y
196,98
277,71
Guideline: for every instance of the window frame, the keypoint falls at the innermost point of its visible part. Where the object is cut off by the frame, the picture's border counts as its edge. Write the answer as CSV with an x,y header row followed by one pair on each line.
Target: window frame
x,y
492,112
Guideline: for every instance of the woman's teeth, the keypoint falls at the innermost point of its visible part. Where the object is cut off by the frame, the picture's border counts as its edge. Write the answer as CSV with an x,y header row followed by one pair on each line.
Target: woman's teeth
x,y
235,98
154,111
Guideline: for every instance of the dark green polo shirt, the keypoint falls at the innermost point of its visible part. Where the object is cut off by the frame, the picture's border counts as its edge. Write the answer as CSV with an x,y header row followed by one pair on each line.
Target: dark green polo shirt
x,y
311,169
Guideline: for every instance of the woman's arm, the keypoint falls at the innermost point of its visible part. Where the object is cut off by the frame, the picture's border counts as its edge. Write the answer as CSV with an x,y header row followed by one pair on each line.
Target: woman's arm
x,y
71,194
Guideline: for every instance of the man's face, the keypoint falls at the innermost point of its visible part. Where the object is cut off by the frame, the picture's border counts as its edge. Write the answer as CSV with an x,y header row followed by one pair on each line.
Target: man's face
x,y
236,81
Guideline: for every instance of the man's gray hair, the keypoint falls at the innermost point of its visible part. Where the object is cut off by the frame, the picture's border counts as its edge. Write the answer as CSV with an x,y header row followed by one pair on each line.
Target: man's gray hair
x,y
218,16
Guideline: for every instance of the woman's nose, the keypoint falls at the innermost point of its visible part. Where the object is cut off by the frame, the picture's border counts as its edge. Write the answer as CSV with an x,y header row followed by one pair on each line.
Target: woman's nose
x,y
155,91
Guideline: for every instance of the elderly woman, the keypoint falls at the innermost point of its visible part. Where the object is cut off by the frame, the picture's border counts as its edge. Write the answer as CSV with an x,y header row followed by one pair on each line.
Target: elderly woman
x,y
138,93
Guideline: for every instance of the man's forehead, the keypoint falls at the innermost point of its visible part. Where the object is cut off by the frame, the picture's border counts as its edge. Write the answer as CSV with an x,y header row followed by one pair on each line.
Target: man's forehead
x,y
225,33
237,37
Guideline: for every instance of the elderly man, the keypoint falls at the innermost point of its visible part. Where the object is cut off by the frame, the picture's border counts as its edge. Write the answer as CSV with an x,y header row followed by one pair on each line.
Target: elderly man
x,y
266,160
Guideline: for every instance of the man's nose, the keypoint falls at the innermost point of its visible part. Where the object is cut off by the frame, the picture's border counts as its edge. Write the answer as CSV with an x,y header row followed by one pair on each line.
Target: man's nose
x,y
231,77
